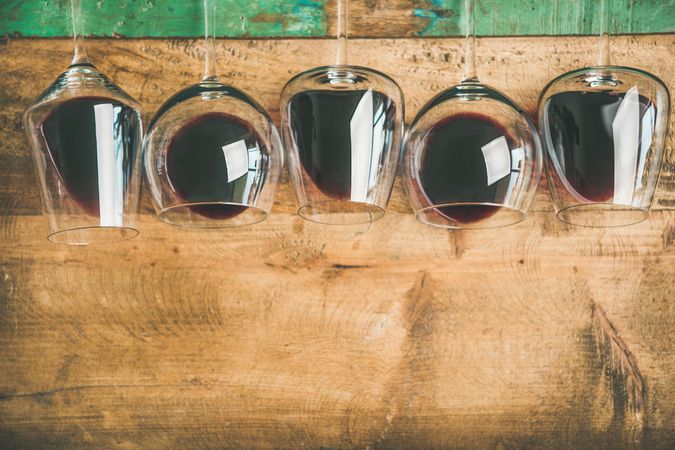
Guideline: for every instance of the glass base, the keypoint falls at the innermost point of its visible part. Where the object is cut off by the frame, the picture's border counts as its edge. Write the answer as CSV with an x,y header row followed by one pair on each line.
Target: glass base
x,y
341,212
92,235
470,215
212,215
602,215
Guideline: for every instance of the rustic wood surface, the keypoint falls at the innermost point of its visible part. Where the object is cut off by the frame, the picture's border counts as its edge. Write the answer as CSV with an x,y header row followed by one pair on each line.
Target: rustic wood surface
x,y
290,334
304,18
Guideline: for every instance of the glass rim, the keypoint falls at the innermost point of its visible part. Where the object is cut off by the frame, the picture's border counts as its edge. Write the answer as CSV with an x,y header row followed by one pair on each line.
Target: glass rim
x,y
601,67
259,213
67,91
80,92
489,93
123,236
194,93
616,207
374,211
326,68
419,214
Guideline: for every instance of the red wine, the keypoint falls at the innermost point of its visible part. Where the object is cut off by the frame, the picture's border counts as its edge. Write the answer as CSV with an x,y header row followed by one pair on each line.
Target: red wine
x,y
326,125
84,132
467,158
582,128
216,158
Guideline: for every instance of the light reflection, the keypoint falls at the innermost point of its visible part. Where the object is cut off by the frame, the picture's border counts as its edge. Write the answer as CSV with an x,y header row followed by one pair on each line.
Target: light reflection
x,y
517,158
378,146
626,133
361,129
240,160
236,159
497,159
254,159
647,131
109,159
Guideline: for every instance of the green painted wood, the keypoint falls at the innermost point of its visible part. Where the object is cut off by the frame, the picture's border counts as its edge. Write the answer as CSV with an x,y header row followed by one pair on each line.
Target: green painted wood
x,y
164,18
312,18
546,17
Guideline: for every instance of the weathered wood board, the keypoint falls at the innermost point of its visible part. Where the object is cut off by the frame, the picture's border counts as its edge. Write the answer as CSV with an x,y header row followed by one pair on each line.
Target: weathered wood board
x,y
304,18
290,334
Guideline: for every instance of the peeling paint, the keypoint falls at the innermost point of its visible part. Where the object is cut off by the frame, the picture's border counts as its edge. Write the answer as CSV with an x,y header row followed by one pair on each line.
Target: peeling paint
x,y
308,18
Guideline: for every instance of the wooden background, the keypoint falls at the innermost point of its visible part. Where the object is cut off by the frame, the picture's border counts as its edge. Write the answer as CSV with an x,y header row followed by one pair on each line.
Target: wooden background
x,y
289,334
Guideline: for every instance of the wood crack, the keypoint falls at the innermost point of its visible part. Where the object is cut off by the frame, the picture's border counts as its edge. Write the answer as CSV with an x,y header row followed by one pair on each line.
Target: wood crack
x,y
54,391
626,383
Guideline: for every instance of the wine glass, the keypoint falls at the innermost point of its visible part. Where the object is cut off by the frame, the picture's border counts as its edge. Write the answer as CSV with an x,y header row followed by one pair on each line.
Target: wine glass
x,y
342,127
604,130
471,157
212,156
85,136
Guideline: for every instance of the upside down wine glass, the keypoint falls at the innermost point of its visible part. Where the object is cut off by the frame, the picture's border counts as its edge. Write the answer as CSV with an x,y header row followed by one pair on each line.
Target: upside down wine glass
x,y
342,128
85,136
604,129
471,157
212,155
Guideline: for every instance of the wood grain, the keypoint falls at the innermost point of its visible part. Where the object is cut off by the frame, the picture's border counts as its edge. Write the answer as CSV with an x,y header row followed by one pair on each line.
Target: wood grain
x,y
316,18
290,334
403,336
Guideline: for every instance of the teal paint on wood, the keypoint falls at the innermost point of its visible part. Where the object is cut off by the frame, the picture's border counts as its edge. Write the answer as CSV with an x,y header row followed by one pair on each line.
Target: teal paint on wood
x,y
165,18
309,18
546,17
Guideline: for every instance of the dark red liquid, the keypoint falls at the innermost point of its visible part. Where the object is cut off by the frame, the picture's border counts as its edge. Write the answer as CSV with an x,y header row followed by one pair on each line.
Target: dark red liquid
x,y
199,170
582,140
453,167
73,145
322,123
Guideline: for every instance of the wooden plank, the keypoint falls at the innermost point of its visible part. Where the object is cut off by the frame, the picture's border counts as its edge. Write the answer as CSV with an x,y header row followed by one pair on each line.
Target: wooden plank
x,y
550,17
132,18
404,336
291,334
153,70
314,18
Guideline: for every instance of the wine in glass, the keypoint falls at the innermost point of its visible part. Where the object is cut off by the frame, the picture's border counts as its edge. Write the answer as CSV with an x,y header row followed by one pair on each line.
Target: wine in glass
x,y
212,156
604,129
471,156
85,136
342,128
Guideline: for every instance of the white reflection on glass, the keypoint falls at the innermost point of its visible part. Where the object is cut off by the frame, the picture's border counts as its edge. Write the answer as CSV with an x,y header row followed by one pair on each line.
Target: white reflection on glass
x,y
240,160
109,159
517,157
254,158
379,138
626,132
236,159
497,160
361,129
647,131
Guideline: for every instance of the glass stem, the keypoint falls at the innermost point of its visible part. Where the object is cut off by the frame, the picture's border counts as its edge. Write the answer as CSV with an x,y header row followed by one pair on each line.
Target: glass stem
x,y
470,41
80,53
342,19
605,14
209,41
